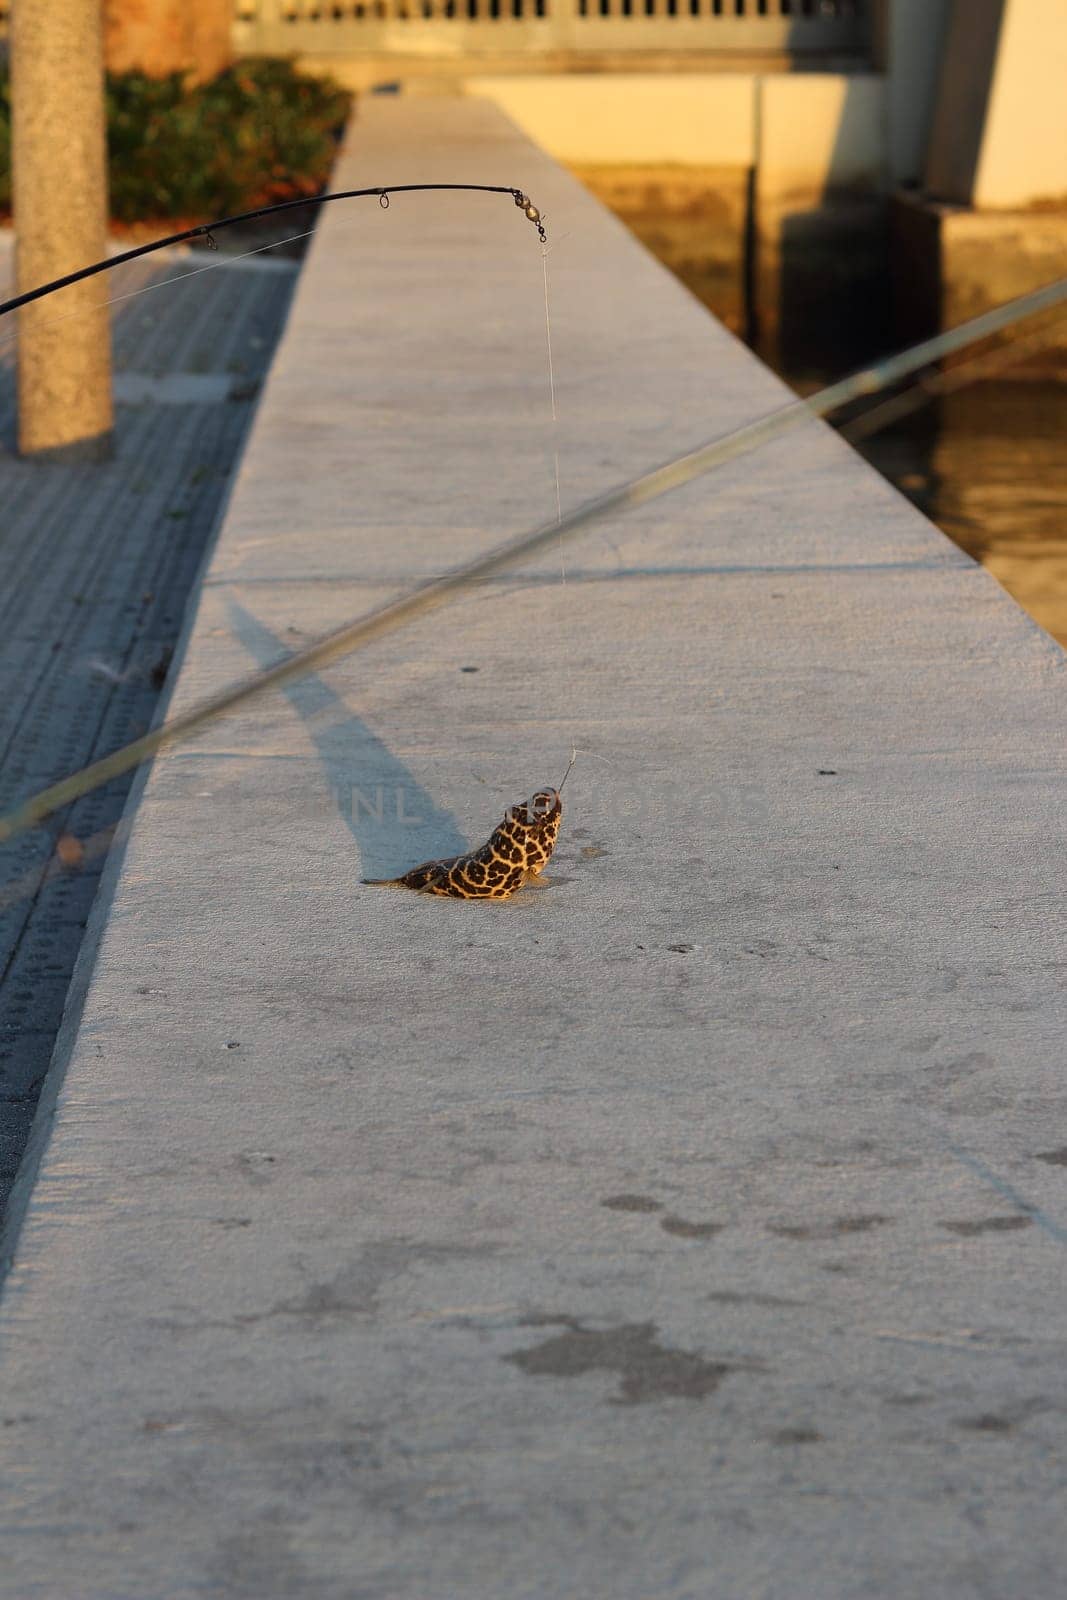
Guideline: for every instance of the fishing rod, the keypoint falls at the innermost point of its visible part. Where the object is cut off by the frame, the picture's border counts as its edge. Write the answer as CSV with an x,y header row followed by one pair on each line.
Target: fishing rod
x,y
208,230
638,491
935,384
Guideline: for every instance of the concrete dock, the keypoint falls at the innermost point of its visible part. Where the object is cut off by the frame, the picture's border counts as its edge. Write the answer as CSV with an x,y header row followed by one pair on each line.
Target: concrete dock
x,y
691,1227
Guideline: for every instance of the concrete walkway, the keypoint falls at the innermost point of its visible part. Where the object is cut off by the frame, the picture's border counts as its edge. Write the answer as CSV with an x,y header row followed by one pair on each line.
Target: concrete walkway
x,y
96,566
693,1227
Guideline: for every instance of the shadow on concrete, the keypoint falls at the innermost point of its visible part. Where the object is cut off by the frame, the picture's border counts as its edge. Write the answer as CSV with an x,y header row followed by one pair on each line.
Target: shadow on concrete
x,y
390,815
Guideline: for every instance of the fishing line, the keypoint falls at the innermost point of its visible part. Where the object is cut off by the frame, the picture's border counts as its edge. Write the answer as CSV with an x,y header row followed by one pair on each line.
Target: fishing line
x,y
163,283
638,491
564,656
571,697
552,391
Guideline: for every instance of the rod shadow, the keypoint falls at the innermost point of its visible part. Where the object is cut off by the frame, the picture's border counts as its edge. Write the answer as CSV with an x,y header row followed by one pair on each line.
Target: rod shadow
x,y
393,820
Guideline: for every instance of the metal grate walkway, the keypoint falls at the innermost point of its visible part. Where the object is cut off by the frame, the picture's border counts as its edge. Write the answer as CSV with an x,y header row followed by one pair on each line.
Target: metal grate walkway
x,y
96,564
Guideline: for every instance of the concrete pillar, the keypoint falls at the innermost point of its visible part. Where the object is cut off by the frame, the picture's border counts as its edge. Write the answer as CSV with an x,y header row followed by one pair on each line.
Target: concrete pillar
x,y
962,100
59,178
999,139
161,36
911,42
817,249
1023,157
211,25
146,35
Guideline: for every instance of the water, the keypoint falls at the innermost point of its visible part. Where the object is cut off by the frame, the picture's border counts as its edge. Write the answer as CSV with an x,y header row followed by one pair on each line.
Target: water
x,y
987,463
989,466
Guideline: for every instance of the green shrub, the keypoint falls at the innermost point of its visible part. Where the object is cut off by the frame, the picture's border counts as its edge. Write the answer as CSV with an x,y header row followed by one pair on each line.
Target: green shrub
x,y
257,133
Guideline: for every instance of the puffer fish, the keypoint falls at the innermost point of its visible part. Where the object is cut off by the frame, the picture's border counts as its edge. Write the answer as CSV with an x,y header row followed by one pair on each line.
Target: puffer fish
x,y
515,851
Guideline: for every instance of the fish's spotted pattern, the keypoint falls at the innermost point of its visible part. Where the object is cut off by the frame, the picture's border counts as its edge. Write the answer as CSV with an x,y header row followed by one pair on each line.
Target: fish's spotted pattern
x,y
515,851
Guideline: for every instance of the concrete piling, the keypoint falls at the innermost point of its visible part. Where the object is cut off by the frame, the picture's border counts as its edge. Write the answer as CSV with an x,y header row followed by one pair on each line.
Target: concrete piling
x,y
59,176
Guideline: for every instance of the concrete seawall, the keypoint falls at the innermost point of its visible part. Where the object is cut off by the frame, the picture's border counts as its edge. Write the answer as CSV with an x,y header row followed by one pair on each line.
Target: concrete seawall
x,y
693,1226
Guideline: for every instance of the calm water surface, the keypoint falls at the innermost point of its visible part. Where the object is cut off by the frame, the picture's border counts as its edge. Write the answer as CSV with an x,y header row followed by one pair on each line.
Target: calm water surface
x,y
988,463
989,466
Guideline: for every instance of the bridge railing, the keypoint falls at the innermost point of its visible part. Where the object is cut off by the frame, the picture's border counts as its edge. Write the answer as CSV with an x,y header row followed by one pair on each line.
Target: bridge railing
x,y
796,28
743,27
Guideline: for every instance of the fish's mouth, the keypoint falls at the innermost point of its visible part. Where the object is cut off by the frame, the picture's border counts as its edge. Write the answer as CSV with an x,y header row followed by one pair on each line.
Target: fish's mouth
x,y
540,810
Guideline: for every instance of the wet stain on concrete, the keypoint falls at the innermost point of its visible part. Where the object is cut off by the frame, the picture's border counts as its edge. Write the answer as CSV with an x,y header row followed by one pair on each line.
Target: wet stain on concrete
x,y
631,1202
690,1230
356,1289
1055,1158
647,1370
970,1230
255,1167
1006,1421
261,1560
836,1228
988,1422
734,1297
968,1085
921,1043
